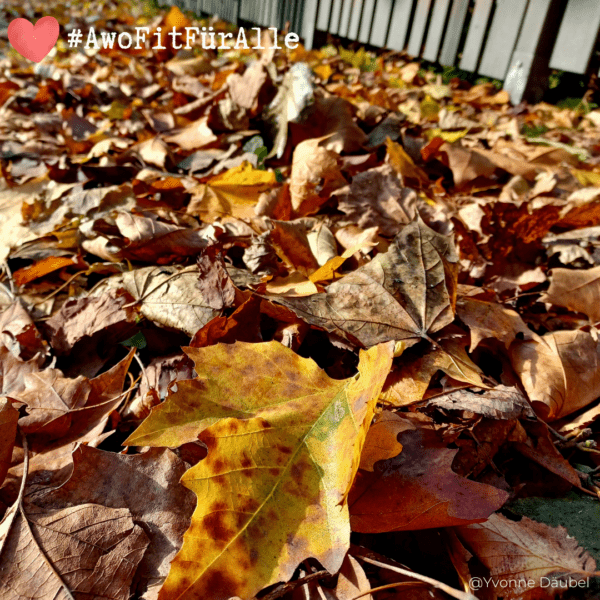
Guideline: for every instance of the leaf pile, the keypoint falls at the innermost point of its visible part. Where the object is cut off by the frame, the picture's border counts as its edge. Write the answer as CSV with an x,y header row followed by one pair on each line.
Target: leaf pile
x,y
288,324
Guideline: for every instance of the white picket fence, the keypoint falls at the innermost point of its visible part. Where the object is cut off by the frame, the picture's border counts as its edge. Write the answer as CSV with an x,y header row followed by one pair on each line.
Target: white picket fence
x,y
517,41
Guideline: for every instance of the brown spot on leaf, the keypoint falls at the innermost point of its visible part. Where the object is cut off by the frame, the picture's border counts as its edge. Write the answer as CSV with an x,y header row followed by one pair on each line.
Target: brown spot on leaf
x,y
215,525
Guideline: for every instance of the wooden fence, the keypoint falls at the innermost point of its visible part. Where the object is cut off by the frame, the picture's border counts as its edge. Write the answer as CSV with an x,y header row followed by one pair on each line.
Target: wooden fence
x,y
517,41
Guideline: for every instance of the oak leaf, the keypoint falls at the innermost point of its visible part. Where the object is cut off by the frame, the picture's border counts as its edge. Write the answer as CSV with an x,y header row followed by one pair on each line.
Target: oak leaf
x,y
284,444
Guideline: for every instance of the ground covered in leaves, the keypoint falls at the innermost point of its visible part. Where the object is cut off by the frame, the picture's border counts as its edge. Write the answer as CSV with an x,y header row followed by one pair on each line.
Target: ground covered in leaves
x,y
290,324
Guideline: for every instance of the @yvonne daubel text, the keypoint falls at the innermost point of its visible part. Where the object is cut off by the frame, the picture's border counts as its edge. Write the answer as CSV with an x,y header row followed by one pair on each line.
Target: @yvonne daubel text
x,y
181,38
479,583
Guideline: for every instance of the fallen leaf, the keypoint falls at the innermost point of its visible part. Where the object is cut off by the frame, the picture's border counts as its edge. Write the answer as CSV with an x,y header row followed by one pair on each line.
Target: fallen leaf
x,y
375,198
501,402
8,432
146,484
522,552
577,290
193,136
286,461
417,489
559,371
403,294
404,165
315,175
490,320
235,192
95,551
169,296
83,317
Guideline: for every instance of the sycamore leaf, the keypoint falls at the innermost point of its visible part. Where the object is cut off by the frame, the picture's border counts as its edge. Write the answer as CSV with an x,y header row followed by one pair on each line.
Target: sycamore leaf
x,y
416,489
315,174
95,551
490,320
170,296
147,484
516,553
284,443
403,294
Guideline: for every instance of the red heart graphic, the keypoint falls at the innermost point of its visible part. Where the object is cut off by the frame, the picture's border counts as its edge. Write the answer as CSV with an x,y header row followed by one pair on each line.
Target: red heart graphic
x,y
32,42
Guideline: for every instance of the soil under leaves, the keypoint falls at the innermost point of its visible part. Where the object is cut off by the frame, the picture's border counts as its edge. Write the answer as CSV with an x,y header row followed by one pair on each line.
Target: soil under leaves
x,y
276,323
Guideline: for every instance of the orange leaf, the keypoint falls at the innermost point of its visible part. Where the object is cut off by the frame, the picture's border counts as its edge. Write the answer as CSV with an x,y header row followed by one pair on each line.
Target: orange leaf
x,y
43,267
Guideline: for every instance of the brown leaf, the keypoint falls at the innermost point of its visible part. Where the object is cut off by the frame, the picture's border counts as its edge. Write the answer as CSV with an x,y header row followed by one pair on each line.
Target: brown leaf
x,y
51,399
146,484
403,294
290,241
315,175
559,371
169,296
192,137
418,489
466,164
502,402
83,317
524,551
214,283
8,431
252,90
94,549
19,334
577,290
375,198
490,320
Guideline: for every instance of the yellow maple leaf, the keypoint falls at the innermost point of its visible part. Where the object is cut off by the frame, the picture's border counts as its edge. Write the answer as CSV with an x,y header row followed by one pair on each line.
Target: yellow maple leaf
x,y
284,443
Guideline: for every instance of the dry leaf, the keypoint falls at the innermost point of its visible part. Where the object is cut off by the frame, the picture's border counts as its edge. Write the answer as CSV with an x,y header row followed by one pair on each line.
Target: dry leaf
x,y
403,294
559,371
267,469
417,489
94,549
375,198
525,551
315,175
577,290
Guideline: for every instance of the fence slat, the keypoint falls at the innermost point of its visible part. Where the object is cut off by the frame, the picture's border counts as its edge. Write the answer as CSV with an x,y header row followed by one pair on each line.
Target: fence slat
x,y
577,36
381,20
345,18
323,16
355,18
399,24
334,22
502,37
477,29
527,76
308,22
456,21
367,18
436,30
418,27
